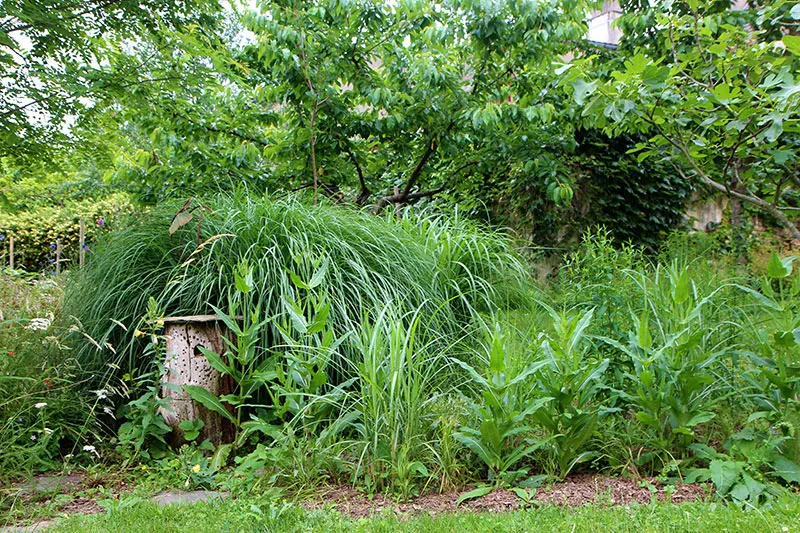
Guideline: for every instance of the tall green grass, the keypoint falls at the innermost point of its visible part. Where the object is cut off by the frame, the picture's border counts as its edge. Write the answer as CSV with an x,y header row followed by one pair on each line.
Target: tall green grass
x,y
447,268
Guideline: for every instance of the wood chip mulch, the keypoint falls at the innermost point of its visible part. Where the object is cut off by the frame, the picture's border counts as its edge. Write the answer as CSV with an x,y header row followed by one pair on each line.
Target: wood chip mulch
x,y
575,491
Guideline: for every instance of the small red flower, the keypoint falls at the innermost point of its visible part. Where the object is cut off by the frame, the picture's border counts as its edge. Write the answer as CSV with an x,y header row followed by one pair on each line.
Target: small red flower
x,y
11,353
48,382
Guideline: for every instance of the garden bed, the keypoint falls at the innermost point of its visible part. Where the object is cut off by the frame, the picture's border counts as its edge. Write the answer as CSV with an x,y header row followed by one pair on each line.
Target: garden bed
x,y
574,491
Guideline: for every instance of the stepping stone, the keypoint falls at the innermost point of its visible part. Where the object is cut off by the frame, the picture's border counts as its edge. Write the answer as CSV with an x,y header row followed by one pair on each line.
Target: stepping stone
x,y
181,497
38,526
50,483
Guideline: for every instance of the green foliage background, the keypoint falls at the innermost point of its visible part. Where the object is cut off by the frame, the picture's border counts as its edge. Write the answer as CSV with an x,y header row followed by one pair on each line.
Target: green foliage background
x,y
35,230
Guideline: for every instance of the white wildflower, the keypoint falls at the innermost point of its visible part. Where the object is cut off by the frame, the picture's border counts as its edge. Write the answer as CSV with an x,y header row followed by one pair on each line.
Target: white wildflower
x,y
91,449
39,324
108,411
102,394
40,405
33,437
68,456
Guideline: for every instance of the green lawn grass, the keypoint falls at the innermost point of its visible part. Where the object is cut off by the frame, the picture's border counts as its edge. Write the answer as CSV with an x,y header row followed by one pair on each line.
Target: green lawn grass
x,y
260,515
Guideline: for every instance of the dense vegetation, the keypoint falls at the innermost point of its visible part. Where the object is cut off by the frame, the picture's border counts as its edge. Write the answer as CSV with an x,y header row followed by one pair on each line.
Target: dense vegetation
x,y
328,180
433,371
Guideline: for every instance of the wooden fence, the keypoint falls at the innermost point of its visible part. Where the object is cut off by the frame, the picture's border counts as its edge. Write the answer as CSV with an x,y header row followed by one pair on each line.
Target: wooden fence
x,y
59,260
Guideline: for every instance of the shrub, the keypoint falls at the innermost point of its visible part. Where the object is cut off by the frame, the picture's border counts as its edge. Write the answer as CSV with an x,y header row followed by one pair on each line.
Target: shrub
x,y
35,232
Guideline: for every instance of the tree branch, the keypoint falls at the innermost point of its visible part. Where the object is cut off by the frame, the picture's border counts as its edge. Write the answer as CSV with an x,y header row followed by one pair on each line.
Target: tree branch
x,y
214,129
754,200
365,193
23,27
420,166
399,198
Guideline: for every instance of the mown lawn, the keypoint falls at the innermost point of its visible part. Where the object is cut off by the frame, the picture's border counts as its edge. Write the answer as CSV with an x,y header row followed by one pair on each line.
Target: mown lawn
x,y
259,515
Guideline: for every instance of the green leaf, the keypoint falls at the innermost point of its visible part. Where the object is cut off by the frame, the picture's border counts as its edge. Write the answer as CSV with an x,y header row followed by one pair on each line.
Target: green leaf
x,y
644,338
208,400
582,90
320,319
474,493
788,470
215,360
680,291
220,457
775,269
533,482
491,434
297,281
5,40
526,495
497,355
764,300
792,42
476,377
192,425
724,474
703,451
418,468
697,475
299,321
646,418
700,418
319,275
785,339
241,284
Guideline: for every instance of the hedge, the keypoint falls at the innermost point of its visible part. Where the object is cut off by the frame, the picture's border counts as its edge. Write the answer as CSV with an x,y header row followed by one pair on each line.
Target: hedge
x,y
36,231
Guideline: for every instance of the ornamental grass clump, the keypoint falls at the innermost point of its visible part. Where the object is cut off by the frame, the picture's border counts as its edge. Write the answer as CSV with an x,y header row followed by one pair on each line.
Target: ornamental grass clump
x,y
444,268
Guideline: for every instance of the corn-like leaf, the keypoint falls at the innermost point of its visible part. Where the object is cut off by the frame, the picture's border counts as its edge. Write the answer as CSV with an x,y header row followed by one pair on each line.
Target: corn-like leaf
x,y
208,400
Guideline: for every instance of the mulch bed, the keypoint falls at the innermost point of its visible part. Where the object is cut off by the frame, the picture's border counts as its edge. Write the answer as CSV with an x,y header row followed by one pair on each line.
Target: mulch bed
x,y
575,491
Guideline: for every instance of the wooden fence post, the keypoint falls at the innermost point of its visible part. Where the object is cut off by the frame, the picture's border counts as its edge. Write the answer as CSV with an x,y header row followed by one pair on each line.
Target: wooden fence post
x,y
82,253
58,256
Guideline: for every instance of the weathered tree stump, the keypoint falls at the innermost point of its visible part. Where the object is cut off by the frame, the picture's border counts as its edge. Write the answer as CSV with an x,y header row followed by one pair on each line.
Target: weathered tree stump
x,y
187,366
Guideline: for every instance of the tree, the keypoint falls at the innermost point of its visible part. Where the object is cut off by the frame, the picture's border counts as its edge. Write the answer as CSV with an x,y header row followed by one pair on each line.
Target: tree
x,y
719,101
378,103
54,59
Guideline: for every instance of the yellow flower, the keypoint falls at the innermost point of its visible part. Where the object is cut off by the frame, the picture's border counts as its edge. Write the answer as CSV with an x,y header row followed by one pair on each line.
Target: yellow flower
x,y
196,468
138,333
144,467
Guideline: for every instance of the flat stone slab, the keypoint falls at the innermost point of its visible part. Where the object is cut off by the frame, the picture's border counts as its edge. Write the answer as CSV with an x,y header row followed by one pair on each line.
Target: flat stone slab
x,y
169,497
38,526
50,483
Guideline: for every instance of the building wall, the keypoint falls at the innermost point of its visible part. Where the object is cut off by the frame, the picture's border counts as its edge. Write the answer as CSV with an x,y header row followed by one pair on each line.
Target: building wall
x,y
601,27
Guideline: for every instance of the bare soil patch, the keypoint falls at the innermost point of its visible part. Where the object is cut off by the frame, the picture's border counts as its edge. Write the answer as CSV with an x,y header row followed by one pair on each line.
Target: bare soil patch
x,y
574,491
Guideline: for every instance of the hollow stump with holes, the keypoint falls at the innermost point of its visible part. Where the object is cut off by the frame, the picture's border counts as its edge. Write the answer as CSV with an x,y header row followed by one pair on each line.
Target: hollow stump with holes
x,y
187,366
